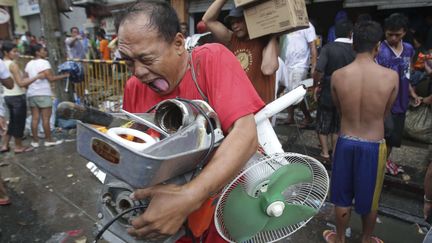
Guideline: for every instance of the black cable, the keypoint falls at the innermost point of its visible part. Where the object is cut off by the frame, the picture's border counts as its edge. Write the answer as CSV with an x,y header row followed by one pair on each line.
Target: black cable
x,y
107,225
212,140
152,108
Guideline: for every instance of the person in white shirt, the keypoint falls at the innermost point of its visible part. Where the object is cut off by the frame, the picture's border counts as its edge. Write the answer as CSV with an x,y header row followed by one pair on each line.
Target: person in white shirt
x,y
39,94
299,52
7,81
74,45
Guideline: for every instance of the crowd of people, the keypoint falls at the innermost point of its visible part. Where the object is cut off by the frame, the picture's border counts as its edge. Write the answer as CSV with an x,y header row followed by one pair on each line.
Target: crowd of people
x,y
78,44
364,80
361,80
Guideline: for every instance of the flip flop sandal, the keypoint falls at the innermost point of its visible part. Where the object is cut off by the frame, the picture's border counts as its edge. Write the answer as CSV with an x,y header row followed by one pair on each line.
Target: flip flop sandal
x,y
376,239
4,202
327,234
24,150
4,150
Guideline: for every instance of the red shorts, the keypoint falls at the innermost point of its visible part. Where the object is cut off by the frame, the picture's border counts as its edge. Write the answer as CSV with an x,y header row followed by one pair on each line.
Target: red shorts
x,y
210,236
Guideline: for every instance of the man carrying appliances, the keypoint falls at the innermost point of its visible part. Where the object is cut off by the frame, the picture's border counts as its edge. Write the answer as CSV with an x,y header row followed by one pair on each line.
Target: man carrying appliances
x,y
153,47
258,57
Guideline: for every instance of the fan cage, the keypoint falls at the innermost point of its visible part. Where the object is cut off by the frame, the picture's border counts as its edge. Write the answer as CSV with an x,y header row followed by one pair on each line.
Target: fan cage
x,y
253,179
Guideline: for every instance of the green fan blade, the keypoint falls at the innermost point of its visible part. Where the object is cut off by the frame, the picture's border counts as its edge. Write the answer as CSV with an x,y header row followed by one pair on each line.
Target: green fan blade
x,y
242,215
292,214
286,176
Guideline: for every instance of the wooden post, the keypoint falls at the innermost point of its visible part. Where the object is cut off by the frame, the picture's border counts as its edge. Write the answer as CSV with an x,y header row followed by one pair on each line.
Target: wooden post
x,y
51,29
181,7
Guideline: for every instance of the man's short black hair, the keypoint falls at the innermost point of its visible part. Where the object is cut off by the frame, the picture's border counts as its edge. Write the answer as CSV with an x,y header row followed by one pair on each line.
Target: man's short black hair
x,y
74,27
35,48
366,36
7,46
162,17
101,34
364,17
343,29
396,22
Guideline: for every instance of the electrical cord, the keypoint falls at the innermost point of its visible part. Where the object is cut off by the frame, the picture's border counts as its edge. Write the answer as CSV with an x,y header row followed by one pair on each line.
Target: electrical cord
x,y
212,134
199,166
107,225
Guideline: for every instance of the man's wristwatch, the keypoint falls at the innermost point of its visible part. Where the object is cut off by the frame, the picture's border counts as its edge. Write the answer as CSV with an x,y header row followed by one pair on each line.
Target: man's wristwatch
x,y
426,199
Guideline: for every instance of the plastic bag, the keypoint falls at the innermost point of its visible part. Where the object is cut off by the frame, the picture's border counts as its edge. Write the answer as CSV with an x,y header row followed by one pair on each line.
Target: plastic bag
x,y
418,123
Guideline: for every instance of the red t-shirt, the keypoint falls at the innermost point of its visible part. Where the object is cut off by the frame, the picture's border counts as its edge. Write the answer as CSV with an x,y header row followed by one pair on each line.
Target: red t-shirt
x,y
219,75
224,83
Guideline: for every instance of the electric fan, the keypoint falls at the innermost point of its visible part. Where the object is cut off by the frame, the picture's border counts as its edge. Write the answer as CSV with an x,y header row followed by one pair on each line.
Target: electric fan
x,y
271,198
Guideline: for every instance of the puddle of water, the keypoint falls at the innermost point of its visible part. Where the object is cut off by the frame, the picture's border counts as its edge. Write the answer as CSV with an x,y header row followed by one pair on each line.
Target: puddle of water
x,y
391,230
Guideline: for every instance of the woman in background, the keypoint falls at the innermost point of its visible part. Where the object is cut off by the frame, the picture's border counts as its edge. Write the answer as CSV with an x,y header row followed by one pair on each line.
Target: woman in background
x,y
39,94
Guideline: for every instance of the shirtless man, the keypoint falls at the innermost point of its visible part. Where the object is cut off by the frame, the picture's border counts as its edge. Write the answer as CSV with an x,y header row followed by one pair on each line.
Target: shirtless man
x,y
364,93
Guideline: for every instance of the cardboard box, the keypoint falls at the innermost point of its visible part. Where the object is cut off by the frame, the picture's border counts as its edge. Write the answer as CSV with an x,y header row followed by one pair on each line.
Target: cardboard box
x,y
239,3
275,16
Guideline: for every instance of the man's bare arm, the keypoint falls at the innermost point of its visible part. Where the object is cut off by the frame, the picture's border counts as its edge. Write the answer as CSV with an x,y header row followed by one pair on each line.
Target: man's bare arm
x,y
417,99
395,80
428,67
220,32
270,63
334,82
171,204
317,77
71,41
314,55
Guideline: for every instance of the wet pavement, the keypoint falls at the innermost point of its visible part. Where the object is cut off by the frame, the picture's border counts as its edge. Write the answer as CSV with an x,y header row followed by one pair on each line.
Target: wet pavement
x,y
54,195
51,191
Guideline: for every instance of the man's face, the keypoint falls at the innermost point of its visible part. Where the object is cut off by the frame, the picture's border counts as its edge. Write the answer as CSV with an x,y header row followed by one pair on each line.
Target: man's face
x,y
74,32
184,29
43,53
238,26
155,62
394,37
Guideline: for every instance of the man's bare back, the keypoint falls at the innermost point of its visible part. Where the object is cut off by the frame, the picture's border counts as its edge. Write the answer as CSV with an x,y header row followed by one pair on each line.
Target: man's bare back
x,y
364,93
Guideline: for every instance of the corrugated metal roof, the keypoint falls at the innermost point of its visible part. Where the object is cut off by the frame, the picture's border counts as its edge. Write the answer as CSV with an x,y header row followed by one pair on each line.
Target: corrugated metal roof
x,y
406,4
197,6
388,4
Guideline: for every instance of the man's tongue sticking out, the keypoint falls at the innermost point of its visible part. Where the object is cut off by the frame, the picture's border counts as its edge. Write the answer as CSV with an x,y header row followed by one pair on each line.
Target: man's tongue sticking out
x,y
161,84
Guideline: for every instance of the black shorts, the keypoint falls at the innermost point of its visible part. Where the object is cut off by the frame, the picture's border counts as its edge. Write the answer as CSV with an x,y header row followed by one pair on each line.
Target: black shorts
x,y
394,126
328,121
18,112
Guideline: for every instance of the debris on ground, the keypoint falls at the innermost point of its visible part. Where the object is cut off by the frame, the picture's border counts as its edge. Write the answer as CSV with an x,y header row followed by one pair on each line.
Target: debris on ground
x,y
82,239
406,177
12,179
2,164
378,220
